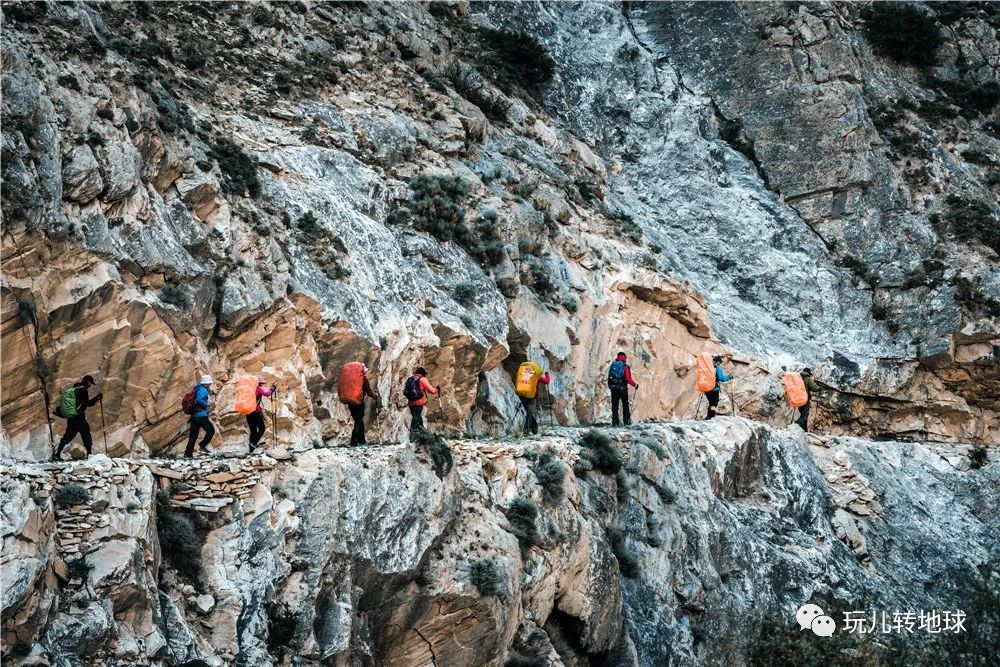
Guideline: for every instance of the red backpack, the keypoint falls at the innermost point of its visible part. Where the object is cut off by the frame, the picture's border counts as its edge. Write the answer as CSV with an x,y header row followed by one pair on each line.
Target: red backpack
x,y
187,403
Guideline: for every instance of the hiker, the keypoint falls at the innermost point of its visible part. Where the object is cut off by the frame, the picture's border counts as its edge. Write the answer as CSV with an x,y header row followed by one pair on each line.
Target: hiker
x,y
196,404
619,379
352,388
811,386
255,420
73,404
415,390
720,377
529,376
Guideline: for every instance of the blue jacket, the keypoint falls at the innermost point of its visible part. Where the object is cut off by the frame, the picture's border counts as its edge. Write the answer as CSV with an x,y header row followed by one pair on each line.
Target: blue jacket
x,y
201,398
720,376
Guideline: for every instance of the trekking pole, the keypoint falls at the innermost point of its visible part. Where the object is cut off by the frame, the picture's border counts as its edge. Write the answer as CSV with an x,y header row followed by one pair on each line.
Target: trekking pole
x,y
732,402
274,420
104,429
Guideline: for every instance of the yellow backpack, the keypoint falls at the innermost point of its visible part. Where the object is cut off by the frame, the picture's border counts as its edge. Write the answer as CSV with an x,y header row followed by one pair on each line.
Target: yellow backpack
x,y
527,379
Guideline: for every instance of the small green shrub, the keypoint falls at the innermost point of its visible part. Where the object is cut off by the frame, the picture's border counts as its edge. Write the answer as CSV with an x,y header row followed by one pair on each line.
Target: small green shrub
x,y
903,32
175,296
916,277
880,312
281,624
971,96
666,494
486,577
978,458
239,170
26,312
181,534
651,444
71,494
541,281
969,221
623,488
308,69
518,56
599,452
441,455
78,568
464,293
439,207
550,473
522,514
20,648
626,227
627,564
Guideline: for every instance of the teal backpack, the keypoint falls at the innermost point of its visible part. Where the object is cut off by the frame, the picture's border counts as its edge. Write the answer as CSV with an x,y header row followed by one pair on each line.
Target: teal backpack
x,y
67,403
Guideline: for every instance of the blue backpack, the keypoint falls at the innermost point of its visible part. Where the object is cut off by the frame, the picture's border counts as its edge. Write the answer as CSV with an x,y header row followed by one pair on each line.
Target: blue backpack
x,y
616,374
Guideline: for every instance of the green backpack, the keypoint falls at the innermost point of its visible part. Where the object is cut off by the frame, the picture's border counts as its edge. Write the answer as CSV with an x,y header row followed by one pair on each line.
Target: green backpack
x,y
67,403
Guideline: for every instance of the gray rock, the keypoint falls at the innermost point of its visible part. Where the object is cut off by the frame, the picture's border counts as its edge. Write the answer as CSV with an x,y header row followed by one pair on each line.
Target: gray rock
x,y
81,175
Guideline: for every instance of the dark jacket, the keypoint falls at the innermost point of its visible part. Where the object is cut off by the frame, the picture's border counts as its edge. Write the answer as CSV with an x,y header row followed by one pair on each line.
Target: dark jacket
x,y
83,399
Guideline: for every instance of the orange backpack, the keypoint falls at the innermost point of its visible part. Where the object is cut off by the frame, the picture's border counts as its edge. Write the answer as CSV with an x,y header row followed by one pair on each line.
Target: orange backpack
x,y
704,372
795,390
351,386
246,395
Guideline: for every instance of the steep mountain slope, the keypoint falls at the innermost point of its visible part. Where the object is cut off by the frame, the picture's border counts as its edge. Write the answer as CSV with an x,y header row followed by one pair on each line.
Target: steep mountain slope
x,y
274,190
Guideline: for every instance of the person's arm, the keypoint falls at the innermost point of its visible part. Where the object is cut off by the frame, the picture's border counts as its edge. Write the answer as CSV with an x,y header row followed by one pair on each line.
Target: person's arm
x,y
201,397
266,393
721,375
425,384
628,376
811,385
545,379
367,387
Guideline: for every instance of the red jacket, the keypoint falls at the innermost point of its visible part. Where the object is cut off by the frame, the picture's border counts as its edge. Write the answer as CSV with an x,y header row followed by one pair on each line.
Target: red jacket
x,y
628,371
425,387
261,392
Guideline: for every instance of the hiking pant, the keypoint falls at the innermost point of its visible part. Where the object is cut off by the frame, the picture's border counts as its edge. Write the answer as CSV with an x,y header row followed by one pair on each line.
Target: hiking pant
x,y
358,415
713,402
199,424
416,417
255,420
530,423
620,396
74,425
803,419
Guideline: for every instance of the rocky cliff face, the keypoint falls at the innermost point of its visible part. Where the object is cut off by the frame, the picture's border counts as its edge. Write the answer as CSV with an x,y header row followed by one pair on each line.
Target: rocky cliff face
x,y
279,188
366,557
191,189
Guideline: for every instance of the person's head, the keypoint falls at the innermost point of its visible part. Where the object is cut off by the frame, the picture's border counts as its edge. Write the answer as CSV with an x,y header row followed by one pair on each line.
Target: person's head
x,y
717,359
621,356
420,371
807,371
88,381
205,380
260,380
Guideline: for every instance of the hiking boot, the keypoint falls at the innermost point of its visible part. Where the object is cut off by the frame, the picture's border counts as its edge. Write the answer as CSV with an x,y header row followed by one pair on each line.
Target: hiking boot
x,y
203,449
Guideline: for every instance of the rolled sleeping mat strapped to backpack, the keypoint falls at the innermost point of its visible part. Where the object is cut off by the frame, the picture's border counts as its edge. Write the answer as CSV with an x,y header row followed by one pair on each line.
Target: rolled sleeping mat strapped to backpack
x,y
795,390
351,385
527,379
704,372
246,395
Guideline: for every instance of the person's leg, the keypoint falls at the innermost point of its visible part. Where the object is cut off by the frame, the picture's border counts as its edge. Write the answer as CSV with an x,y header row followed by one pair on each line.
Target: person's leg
x,y
192,436
255,420
803,420
358,432
713,402
626,410
252,428
71,431
209,432
417,421
532,421
84,428
615,400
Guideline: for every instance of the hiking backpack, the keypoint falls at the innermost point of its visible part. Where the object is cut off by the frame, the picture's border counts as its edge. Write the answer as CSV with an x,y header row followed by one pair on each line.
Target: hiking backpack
x,y
412,390
67,403
188,404
351,384
704,372
616,374
246,395
795,390
527,379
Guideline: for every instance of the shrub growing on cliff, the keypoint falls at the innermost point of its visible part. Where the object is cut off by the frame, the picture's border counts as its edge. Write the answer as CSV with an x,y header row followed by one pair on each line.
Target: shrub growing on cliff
x,y
71,494
627,564
599,452
550,473
969,221
903,32
464,293
78,568
175,296
440,452
182,534
486,577
281,624
517,56
977,458
239,170
521,515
